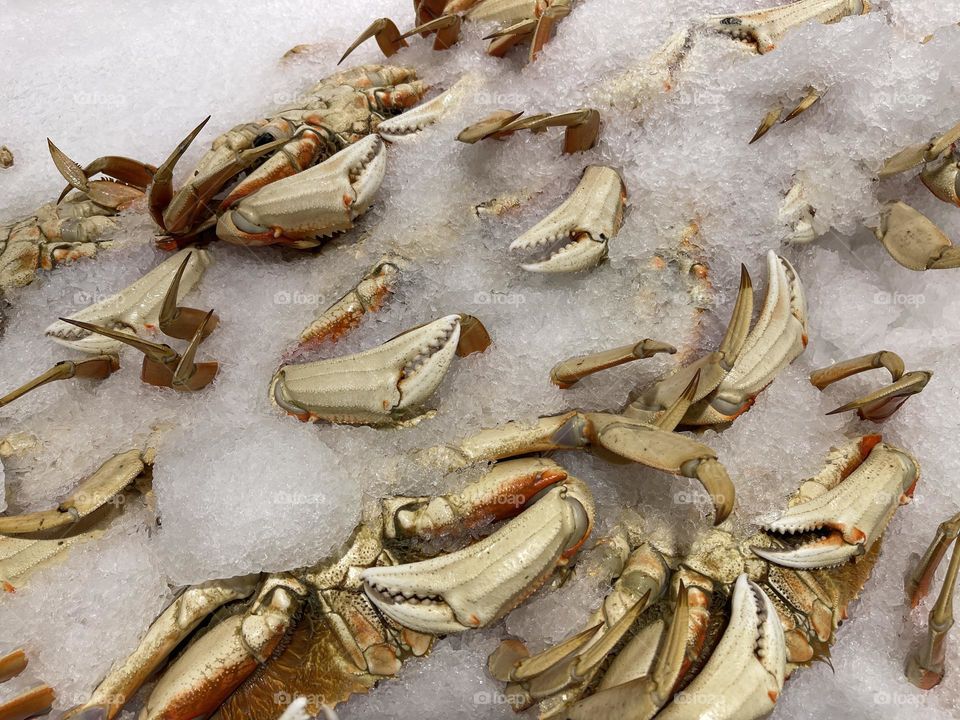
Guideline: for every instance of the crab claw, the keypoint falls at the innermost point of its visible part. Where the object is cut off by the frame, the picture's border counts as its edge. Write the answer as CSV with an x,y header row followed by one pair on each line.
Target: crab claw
x,y
914,241
383,386
137,307
476,586
745,673
412,121
855,512
584,223
301,209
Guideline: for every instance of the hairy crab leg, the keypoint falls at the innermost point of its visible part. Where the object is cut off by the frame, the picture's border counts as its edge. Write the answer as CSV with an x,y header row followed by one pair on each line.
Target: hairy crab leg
x,y
925,665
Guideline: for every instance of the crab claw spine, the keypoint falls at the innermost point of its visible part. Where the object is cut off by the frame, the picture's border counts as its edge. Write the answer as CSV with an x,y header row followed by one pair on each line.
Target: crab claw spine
x,y
587,219
856,511
745,673
476,586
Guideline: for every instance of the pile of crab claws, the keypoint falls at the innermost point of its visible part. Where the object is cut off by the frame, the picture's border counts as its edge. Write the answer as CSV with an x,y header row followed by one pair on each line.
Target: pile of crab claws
x,y
130,178
475,586
776,113
880,404
852,514
584,223
95,368
914,241
581,134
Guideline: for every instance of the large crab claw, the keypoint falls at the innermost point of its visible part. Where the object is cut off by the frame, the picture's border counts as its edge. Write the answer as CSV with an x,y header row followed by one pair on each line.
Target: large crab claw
x,y
761,30
135,308
476,586
744,675
582,224
848,513
383,386
914,241
884,402
302,209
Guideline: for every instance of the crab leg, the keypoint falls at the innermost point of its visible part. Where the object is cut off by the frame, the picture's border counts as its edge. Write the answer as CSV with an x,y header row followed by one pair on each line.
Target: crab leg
x,y
478,585
587,220
825,377
387,34
34,702
171,627
136,307
567,373
134,178
915,155
762,29
881,404
183,322
96,368
914,241
368,295
925,665
105,483
582,127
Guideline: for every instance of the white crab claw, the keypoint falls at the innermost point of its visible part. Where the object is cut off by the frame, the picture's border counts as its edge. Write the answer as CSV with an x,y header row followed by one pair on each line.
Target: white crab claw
x,y
744,676
584,223
316,203
380,386
476,586
856,510
778,337
133,309
914,241
411,122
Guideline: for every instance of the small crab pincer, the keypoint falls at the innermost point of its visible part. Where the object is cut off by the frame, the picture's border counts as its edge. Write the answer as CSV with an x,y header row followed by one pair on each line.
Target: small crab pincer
x,y
582,224
386,385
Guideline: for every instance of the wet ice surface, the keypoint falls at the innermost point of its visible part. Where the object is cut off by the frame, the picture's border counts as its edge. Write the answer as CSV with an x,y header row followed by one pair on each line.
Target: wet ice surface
x,y
241,488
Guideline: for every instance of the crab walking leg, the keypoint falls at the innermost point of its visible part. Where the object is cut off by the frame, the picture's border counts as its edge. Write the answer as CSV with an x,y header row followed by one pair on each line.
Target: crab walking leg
x,y
94,492
96,368
914,241
763,29
315,203
368,295
825,377
627,438
881,404
585,222
34,702
172,626
926,664
567,373
476,586
136,307
920,154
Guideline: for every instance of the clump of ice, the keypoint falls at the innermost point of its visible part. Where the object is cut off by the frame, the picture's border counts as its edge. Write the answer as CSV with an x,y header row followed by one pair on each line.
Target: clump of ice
x,y
240,487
